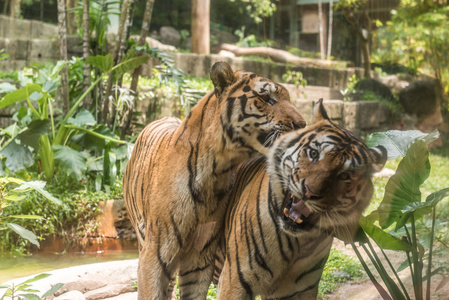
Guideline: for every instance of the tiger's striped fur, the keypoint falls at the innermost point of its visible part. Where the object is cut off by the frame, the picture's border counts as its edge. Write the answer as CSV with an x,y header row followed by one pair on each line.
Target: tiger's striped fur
x,y
276,248
179,171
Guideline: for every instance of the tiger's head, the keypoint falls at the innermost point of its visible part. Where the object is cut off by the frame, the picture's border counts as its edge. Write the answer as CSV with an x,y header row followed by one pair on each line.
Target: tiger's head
x,y
321,177
253,110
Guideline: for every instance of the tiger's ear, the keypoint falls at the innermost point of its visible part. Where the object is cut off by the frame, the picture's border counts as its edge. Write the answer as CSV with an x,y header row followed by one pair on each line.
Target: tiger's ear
x,y
379,156
222,76
319,113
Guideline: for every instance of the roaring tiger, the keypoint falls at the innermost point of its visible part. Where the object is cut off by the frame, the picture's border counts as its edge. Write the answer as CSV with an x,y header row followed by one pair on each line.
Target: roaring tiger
x,y
284,210
179,172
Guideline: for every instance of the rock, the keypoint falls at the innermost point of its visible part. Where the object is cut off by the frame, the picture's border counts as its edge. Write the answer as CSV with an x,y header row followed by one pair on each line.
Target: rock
x,y
372,85
420,98
114,220
342,275
396,83
72,295
81,285
125,296
108,291
170,36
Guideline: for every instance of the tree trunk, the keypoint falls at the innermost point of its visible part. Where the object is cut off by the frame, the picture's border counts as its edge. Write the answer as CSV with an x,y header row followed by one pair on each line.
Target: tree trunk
x,y
200,26
86,49
71,17
281,56
364,44
329,32
320,21
63,55
135,79
14,6
117,57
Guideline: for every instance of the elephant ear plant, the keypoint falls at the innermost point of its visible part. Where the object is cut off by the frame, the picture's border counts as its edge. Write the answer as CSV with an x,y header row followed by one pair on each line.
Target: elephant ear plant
x,y
404,213
60,139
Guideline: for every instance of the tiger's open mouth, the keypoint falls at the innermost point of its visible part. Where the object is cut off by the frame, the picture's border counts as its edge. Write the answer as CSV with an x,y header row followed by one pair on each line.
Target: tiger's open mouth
x,y
296,214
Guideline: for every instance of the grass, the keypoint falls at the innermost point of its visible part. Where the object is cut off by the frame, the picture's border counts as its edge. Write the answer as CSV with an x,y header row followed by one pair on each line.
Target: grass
x,y
338,261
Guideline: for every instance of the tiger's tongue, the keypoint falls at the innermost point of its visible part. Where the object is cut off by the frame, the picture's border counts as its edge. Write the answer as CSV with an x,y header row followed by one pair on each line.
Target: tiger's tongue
x,y
298,211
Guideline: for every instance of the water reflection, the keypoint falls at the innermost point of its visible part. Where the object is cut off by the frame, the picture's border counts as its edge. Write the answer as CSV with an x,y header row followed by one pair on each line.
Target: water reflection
x,y
44,261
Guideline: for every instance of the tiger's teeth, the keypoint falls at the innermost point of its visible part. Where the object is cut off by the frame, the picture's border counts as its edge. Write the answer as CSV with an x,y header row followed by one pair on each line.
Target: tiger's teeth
x,y
298,221
286,212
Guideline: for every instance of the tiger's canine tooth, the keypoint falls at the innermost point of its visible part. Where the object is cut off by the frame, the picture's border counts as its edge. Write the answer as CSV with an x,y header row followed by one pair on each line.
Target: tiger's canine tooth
x,y
286,212
298,221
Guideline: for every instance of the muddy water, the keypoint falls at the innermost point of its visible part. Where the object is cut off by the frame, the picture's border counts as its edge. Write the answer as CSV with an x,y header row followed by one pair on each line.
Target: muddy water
x,y
50,258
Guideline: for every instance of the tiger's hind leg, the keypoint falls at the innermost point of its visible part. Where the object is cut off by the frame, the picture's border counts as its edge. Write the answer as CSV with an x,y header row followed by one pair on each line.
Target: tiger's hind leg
x,y
154,275
194,279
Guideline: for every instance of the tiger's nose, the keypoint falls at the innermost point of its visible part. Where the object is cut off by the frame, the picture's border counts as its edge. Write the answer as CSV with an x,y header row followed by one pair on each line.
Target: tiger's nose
x,y
298,124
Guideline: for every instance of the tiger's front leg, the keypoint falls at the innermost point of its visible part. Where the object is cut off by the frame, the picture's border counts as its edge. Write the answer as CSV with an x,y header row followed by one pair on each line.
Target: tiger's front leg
x,y
229,286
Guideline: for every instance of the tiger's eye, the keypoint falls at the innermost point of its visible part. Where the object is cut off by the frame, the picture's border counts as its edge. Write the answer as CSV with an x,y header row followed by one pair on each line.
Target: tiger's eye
x,y
313,153
344,176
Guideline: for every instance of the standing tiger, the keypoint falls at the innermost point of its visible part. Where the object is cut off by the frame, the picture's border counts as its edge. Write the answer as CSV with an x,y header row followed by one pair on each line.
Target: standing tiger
x,y
179,172
284,210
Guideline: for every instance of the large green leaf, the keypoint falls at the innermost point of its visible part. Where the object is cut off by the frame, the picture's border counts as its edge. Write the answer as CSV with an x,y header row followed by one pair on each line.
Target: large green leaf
x,y
95,138
72,161
82,118
403,187
34,132
20,94
383,239
52,290
398,142
128,64
38,186
37,277
55,71
25,233
104,63
32,217
18,156
6,87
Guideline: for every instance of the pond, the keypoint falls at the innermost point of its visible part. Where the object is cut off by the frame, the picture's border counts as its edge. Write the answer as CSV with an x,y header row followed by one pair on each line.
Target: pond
x,y
44,261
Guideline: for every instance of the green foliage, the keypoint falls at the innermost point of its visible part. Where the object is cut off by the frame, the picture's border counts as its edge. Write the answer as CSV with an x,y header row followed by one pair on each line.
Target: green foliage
x,y
9,196
100,13
416,37
250,40
66,143
350,88
294,77
402,206
258,9
338,261
24,291
73,220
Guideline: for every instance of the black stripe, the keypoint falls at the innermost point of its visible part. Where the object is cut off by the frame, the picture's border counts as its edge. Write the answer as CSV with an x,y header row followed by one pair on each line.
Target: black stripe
x,y
259,219
316,267
199,269
230,105
176,230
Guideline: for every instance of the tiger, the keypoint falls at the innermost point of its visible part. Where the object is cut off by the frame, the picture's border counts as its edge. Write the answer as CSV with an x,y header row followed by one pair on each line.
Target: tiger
x,y
178,173
285,208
